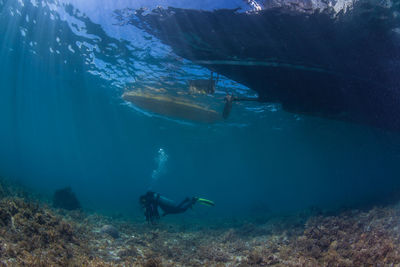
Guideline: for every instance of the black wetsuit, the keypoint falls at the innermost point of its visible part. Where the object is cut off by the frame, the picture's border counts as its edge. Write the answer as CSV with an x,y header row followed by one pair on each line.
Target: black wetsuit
x,y
155,200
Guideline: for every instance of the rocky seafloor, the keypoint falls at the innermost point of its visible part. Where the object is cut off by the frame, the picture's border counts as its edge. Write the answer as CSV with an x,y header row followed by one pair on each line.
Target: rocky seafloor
x,y
34,234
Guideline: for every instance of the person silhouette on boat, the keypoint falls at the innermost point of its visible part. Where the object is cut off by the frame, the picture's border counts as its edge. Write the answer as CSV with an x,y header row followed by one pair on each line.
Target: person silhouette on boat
x,y
151,201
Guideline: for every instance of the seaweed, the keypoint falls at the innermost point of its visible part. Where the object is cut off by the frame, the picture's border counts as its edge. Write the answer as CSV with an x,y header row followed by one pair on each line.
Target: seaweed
x,y
33,234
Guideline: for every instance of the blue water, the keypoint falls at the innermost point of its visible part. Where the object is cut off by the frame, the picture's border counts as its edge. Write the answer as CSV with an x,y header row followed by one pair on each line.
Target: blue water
x,y
63,123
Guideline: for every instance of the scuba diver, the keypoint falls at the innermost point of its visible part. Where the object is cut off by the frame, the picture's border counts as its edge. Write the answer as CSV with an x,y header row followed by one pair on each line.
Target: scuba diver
x,y
229,98
151,201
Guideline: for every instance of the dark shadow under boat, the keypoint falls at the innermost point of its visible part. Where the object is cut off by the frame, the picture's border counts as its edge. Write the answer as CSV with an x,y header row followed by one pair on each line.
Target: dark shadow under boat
x,y
335,65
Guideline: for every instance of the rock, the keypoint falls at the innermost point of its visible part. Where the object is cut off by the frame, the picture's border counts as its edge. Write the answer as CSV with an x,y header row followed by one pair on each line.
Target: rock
x,y
65,199
110,230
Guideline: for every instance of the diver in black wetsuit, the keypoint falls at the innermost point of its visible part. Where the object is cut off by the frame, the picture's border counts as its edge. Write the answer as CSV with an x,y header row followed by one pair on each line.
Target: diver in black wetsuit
x,y
151,201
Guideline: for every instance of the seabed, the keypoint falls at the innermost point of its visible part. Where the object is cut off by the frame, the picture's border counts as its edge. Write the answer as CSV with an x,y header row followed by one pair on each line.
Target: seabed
x,y
34,234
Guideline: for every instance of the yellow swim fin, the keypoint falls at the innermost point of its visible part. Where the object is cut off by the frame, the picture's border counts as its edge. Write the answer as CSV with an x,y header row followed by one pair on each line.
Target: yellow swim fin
x,y
205,201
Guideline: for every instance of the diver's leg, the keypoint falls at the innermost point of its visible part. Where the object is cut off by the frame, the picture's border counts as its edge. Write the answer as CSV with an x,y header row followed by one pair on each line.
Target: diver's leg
x,y
183,202
186,203
180,208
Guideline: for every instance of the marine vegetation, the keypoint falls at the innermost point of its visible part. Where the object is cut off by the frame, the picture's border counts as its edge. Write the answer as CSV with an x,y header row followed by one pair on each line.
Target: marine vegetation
x,y
34,234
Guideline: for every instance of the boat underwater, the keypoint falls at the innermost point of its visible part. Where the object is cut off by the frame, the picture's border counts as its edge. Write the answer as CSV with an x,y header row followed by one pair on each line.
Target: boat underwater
x,y
172,106
337,65
82,170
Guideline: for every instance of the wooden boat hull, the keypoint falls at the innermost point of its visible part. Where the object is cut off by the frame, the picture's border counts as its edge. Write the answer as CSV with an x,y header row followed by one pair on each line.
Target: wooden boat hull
x,y
172,107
